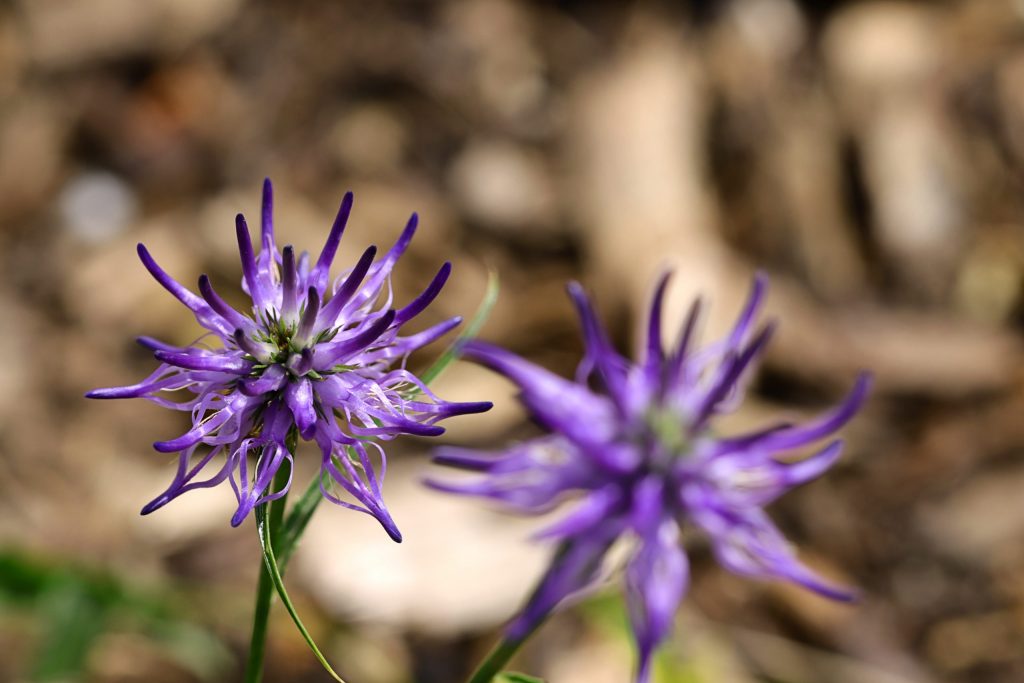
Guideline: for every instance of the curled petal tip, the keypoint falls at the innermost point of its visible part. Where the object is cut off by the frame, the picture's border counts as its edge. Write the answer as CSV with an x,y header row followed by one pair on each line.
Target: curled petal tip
x,y
443,487
115,392
154,505
855,399
389,524
423,430
112,392
831,591
476,349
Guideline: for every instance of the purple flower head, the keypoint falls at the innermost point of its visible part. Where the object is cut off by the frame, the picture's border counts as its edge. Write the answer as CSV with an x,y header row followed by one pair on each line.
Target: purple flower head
x,y
312,358
633,441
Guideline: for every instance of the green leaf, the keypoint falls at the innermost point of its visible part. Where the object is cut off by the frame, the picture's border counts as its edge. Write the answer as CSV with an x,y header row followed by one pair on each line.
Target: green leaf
x,y
194,649
472,329
74,620
263,526
516,677
75,604
297,520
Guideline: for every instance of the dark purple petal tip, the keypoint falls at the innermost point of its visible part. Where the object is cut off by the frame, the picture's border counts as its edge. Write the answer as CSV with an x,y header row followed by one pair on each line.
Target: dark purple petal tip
x,y
117,392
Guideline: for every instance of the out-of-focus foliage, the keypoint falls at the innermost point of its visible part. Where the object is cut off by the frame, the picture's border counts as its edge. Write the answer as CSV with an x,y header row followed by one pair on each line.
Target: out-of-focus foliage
x,y
75,605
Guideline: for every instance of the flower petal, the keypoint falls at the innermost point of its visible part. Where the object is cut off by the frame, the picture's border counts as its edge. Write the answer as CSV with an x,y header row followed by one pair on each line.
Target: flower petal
x,y
656,579
221,307
298,395
559,404
268,250
417,305
213,362
332,309
382,270
575,566
825,425
750,545
749,312
364,488
318,276
183,479
326,356
729,374
595,508
204,314
600,355
654,358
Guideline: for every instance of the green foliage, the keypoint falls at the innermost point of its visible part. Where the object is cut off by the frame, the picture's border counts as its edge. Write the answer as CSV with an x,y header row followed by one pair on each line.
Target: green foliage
x,y
266,540
516,677
472,329
76,605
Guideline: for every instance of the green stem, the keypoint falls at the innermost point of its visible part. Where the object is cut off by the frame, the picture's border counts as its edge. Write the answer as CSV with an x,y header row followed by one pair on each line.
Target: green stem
x,y
496,660
507,647
499,656
265,587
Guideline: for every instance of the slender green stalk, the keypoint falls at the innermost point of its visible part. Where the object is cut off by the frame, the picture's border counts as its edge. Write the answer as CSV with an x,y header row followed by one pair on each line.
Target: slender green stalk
x,y
262,523
265,587
507,647
496,660
454,350
264,596
499,656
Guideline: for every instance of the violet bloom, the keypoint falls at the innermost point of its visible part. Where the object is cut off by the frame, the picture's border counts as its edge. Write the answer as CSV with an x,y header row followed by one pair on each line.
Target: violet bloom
x,y
311,358
635,440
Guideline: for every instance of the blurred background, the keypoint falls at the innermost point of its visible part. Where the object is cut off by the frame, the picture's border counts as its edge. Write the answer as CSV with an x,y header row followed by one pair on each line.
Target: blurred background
x,y
867,155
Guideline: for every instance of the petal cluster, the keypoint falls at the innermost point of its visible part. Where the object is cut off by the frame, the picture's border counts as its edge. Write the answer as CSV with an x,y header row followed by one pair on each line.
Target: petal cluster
x,y
632,442
313,357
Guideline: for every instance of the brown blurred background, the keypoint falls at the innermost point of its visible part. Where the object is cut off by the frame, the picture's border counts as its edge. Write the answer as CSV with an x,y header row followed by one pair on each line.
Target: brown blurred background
x,y
868,155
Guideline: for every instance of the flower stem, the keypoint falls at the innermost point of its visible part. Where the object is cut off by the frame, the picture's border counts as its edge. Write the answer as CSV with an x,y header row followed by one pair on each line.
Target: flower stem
x,y
265,587
498,657
496,660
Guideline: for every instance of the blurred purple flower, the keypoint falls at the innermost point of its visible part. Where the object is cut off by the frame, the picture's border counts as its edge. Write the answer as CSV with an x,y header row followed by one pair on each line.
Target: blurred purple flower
x,y
311,358
635,440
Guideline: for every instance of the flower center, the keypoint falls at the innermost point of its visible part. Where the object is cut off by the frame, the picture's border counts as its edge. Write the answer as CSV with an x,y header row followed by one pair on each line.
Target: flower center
x,y
668,430
287,346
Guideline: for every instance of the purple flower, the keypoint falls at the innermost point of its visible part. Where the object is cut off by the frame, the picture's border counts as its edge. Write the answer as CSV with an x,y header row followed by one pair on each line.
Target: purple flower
x,y
634,442
311,358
